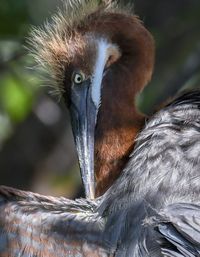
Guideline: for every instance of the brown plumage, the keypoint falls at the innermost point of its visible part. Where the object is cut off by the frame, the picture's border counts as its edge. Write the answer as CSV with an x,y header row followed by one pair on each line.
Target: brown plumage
x,y
152,209
68,43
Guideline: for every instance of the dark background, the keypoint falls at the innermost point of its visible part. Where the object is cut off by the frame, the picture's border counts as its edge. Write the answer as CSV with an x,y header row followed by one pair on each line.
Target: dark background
x,y
36,146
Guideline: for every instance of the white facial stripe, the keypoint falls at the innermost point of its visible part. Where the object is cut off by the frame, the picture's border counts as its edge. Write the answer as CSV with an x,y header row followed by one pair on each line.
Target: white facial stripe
x,y
102,57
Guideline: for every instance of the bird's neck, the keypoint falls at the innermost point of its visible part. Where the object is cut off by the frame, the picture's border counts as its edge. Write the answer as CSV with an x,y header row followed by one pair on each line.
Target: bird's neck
x,y
118,120
114,142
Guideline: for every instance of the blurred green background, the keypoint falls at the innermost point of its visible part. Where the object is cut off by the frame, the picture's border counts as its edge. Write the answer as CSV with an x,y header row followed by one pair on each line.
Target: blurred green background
x,y
36,146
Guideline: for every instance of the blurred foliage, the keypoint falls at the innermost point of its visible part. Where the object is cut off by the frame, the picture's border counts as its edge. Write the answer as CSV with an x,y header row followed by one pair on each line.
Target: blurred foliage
x,y
14,18
36,146
175,26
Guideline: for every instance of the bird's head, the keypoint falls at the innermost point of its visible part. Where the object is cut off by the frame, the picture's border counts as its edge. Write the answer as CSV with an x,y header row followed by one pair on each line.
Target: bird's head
x,y
98,57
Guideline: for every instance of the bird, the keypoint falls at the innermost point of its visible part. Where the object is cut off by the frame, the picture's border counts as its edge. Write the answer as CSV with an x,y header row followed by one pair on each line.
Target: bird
x,y
95,56
153,207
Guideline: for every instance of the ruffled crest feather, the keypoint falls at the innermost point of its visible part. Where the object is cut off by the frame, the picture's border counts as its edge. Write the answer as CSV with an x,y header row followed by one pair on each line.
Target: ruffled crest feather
x,y
49,44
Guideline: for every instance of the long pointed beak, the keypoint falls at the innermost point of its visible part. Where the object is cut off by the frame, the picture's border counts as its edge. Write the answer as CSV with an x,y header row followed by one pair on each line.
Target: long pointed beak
x,y
83,116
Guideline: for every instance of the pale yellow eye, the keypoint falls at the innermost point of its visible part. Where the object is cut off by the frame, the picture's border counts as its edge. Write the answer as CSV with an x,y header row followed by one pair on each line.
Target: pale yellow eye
x,y
78,77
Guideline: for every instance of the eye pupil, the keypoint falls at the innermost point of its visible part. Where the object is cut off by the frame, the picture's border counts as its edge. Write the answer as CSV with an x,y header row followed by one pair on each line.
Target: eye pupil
x,y
78,78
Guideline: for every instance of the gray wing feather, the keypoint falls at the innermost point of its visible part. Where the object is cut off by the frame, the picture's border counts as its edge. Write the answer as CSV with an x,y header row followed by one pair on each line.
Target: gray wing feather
x,y
32,225
179,225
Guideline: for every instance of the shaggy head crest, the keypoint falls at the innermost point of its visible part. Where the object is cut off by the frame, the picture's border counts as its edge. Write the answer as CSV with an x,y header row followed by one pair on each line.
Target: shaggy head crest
x,y
54,44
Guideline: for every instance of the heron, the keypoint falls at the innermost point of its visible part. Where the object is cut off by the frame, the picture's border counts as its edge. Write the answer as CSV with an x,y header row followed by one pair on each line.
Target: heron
x,y
99,60
89,54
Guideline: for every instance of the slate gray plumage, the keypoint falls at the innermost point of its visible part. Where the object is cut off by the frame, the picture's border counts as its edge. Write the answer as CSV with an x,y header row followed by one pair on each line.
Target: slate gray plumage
x,y
153,209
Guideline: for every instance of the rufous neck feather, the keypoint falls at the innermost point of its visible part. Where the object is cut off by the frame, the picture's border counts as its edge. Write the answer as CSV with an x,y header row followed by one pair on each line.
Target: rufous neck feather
x,y
119,120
